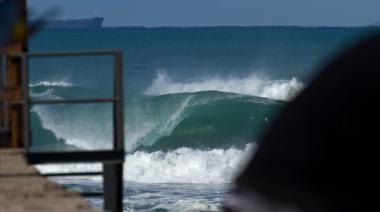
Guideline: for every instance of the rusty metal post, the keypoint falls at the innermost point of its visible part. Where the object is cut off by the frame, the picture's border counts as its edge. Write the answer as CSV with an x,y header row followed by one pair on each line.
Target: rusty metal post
x,y
113,186
12,88
113,172
118,111
25,97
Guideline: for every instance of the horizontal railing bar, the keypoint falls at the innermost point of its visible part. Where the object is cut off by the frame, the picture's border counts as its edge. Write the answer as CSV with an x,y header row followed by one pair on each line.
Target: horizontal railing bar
x,y
73,101
69,101
67,53
75,157
91,194
20,102
68,174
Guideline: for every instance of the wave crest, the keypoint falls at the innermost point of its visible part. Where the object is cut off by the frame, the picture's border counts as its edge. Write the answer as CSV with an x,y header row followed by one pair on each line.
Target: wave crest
x,y
251,85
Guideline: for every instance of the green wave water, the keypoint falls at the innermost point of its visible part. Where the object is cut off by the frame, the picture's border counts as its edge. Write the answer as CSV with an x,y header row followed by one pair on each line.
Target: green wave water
x,y
206,120
199,120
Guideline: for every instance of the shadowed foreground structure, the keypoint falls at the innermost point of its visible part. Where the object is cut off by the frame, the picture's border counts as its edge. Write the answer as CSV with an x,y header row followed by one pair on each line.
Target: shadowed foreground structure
x,y
23,189
319,155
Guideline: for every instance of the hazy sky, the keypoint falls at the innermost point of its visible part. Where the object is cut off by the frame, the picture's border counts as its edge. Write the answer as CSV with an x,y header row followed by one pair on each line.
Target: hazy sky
x,y
218,12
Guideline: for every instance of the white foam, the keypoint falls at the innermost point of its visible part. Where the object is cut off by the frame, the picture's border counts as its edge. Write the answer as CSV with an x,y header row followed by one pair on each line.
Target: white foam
x,y
59,83
251,85
182,165
185,165
190,206
66,168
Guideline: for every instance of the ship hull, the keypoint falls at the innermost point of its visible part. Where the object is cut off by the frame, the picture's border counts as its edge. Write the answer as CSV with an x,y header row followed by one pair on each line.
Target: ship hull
x,y
76,23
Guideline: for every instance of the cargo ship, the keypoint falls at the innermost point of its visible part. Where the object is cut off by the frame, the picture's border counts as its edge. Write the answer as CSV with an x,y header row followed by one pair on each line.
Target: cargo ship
x,y
95,22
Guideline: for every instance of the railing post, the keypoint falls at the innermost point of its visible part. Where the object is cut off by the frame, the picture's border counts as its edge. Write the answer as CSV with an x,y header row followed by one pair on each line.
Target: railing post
x,y
3,103
113,186
113,172
112,160
25,99
118,114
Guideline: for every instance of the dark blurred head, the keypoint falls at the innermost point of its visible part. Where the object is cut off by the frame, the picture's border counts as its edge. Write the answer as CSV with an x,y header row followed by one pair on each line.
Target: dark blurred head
x,y
319,155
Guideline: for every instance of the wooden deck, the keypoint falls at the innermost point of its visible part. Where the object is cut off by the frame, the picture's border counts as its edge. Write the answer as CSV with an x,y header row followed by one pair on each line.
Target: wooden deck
x,y
23,189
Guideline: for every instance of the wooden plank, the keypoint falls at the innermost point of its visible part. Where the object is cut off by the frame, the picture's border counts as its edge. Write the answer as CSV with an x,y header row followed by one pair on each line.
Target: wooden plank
x,y
13,93
22,188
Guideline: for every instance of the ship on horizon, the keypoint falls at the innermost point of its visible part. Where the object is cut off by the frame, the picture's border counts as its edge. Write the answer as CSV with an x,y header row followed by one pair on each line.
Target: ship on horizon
x,y
95,22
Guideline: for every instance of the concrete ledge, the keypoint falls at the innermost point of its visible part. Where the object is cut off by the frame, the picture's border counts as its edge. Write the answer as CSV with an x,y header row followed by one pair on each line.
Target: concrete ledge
x,y
23,189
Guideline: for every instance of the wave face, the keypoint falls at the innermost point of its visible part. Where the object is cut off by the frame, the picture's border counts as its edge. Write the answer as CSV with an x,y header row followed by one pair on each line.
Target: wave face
x,y
200,120
205,114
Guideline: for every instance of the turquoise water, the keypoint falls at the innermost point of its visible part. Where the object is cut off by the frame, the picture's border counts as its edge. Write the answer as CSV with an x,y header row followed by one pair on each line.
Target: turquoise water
x,y
196,102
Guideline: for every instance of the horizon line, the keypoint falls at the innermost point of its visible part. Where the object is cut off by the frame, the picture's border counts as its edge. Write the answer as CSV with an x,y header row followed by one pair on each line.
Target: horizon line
x,y
241,26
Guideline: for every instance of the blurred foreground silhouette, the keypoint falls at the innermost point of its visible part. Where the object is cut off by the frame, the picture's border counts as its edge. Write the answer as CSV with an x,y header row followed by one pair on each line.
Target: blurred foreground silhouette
x,y
319,155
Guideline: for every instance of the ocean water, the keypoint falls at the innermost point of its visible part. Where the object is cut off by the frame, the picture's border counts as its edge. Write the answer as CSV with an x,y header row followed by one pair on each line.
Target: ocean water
x,y
196,102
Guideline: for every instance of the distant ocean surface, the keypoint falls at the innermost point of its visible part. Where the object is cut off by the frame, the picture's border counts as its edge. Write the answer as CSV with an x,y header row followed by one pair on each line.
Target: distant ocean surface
x,y
196,101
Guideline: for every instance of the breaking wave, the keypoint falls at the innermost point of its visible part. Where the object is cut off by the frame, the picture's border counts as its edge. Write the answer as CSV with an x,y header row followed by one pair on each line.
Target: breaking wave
x,y
200,120
197,132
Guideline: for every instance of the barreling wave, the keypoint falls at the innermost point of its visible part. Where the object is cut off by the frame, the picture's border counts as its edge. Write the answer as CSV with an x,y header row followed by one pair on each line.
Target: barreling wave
x,y
197,120
251,85
184,137
200,120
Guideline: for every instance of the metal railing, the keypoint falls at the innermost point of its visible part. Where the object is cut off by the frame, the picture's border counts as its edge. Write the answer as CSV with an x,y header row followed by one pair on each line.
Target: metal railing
x,y
112,160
